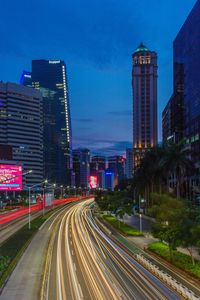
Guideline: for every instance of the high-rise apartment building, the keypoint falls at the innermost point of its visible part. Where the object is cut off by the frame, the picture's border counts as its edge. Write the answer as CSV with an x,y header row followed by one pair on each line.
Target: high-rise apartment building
x,y
81,167
49,76
21,128
144,85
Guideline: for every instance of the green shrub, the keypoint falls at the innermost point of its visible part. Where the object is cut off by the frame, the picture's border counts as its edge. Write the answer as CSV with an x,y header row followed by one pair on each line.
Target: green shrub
x,y
180,260
124,228
13,248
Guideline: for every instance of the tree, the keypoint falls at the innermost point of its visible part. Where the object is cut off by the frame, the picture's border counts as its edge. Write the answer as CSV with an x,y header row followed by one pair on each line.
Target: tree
x,y
118,202
149,177
169,215
190,230
176,160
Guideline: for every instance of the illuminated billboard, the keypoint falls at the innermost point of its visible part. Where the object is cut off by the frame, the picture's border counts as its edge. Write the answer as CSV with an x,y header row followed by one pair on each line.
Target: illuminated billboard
x,y
93,182
10,177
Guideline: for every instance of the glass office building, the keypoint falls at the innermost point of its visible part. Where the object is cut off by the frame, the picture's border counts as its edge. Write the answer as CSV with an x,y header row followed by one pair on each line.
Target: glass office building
x,y
49,76
187,55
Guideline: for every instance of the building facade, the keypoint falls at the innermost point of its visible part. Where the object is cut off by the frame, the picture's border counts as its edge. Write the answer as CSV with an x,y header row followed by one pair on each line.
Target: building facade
x,y
49,76
98,163
173,115
109,180
144,85
116,164
181,116
186,49
81,167
129,163
21,128
26,78
6,152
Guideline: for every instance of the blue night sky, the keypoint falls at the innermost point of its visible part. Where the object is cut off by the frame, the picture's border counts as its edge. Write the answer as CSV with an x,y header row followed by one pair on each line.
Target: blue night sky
x,y
96,39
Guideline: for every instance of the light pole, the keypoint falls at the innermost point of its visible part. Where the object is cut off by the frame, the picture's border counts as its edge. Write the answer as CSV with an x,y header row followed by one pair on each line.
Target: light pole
x,y
61,191
140,222
29,201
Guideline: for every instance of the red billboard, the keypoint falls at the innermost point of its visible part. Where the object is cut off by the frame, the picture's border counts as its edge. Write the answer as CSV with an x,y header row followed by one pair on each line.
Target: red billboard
x,y
10,177
93,182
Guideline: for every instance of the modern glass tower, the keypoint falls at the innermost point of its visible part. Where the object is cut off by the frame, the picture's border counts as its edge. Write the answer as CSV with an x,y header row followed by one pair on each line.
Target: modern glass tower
x,y
49,76
186,50
144,85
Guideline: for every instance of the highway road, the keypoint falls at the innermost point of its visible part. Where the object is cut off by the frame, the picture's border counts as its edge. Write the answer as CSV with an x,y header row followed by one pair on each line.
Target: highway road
x,y
85,263
11,222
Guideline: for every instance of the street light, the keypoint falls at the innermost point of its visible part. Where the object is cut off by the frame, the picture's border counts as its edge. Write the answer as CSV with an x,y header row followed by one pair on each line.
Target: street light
x,y
140,222
61,191
43,207
29,201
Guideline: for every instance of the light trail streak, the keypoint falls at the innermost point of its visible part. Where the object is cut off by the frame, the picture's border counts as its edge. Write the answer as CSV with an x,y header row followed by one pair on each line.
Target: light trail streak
x,y
90,265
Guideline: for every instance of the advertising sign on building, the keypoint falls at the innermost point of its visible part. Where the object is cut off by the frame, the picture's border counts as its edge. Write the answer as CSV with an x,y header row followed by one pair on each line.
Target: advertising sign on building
x,y
10,177
93,182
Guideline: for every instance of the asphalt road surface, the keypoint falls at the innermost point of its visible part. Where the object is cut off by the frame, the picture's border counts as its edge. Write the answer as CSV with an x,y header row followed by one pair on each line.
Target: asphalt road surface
x,y
85,263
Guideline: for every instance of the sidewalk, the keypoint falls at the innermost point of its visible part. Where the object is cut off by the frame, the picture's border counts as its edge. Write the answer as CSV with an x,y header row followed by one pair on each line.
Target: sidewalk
x,y
142,242
25,281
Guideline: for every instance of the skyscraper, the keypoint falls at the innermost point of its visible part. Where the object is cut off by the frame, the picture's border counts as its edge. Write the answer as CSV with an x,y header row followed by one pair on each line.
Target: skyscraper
x,y
49,76
129,163
26,78
144,85
98,163
116,164
181,116
81,167
186,51
21,127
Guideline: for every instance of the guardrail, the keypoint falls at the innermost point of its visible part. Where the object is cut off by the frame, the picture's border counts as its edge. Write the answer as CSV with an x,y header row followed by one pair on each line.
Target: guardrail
x,y
178,287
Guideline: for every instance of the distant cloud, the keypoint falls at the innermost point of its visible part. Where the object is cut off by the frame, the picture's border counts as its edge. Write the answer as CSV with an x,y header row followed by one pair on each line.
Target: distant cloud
x,y
84,120
121,113
105,147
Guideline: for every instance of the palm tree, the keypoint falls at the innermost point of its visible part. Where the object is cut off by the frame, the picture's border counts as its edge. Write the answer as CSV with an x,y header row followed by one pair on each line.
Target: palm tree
x,y
154,169
150,172
176,160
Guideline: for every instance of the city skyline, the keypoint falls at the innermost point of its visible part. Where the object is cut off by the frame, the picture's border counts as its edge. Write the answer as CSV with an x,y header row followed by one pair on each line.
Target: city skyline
x,y
79,219
103,56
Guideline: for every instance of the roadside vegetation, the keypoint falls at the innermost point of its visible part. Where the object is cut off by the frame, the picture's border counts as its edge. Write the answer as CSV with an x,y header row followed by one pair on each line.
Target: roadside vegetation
x,y
179,259
177,224
158,166
172,206
122,227
12,249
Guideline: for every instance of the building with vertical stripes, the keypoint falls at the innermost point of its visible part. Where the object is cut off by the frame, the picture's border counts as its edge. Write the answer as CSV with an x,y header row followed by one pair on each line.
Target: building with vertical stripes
x,y
144,85
21,127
